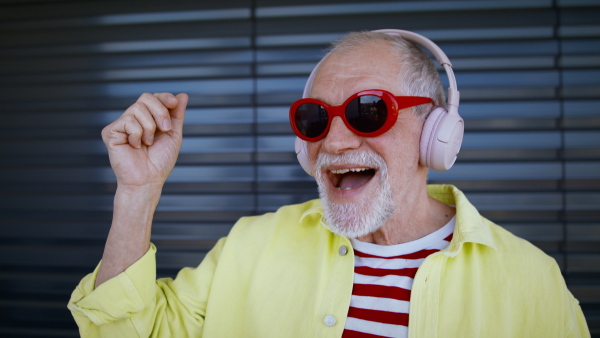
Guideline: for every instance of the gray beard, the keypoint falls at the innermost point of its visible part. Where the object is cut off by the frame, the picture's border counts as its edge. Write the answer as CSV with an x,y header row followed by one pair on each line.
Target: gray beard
x,y
366,216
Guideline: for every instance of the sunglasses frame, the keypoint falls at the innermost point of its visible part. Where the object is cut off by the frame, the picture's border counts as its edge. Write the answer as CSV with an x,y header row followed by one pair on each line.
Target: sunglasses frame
x,y
393,103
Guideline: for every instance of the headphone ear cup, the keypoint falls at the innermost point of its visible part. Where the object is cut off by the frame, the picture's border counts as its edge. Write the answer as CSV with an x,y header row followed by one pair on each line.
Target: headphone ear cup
x,y
435,153
302,155
432,121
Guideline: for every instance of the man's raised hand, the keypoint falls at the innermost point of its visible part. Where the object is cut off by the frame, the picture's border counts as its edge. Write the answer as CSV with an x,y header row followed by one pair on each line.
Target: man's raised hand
x,y
143,144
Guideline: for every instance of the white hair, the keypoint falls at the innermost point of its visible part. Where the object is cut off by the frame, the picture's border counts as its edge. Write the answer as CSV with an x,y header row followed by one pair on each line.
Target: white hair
x,y
418,75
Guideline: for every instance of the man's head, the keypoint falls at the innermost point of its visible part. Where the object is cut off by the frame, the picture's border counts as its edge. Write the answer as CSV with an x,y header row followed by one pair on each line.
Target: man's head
x,y
418,76
364,180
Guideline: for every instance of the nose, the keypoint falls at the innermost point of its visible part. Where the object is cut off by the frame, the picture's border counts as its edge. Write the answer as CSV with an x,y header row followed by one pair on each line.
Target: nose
x,y
340,139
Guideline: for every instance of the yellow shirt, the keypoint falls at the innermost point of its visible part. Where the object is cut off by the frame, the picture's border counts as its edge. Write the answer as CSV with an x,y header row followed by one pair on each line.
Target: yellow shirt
x,y
283,274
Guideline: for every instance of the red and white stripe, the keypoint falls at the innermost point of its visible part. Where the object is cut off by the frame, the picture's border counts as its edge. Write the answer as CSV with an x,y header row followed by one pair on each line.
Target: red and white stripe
x,y
383,277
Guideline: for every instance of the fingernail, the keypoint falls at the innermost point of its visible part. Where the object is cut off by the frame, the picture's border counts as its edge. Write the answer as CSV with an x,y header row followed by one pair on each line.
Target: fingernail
x,y
166,124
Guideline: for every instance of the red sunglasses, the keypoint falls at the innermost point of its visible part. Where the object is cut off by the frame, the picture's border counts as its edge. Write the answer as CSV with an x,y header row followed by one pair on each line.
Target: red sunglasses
x,y
368,113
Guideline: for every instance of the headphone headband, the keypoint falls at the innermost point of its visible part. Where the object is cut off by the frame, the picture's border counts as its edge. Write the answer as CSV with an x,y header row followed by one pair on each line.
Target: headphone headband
x,y
453,93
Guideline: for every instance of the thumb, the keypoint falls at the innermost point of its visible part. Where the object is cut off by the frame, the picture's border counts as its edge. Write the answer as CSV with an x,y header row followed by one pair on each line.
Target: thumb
x,y
178,113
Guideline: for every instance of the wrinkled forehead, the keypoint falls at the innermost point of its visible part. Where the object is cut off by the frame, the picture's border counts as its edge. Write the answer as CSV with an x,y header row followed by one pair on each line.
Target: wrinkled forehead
x,y
341,74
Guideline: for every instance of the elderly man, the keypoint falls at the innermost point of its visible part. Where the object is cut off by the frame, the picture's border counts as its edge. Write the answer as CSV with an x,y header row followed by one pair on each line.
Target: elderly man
x,y
379,245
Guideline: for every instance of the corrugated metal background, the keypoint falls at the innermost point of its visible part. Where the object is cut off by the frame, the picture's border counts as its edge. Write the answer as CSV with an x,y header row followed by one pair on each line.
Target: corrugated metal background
x,y
528,71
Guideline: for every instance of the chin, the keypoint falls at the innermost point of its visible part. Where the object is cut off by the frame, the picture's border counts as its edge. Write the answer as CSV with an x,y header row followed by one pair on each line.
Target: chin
x,y
362,211
354,220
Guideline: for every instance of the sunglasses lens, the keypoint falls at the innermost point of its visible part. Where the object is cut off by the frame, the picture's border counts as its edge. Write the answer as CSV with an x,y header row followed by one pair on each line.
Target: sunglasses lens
x,y
311,119
367,113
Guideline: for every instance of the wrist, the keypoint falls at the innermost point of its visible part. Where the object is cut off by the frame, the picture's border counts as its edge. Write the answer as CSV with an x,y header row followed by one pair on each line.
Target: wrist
x,y
139,193
134,206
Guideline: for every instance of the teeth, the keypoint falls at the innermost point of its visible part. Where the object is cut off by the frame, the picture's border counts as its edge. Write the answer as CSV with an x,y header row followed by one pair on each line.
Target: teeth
x,y
340,188
343,171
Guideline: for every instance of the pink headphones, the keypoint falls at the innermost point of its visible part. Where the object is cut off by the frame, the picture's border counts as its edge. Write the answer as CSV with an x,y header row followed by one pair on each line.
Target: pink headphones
x,y
443,130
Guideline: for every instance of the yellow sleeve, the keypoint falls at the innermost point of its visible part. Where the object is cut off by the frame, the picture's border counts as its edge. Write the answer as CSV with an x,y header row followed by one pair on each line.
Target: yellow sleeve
x,y
576,325
135,304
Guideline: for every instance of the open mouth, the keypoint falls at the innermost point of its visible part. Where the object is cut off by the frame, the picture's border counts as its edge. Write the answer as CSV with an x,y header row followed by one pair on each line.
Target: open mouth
x,y
352,178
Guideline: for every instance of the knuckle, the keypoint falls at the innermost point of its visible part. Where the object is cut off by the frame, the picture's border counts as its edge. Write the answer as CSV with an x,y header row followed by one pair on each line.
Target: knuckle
x,y
137,107
159,112
164,96
163,113
136,130
130,124
149,126
127,119
145,96
104,132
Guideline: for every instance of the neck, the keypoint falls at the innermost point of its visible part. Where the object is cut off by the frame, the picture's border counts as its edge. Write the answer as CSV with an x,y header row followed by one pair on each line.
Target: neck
x,y
417,216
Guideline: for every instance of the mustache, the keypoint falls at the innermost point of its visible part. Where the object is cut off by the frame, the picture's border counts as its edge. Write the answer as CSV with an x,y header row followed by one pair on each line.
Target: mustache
x,y
360,158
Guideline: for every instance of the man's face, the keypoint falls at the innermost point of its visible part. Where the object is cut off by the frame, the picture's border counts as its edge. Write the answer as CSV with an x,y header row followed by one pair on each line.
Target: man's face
x,y
364,181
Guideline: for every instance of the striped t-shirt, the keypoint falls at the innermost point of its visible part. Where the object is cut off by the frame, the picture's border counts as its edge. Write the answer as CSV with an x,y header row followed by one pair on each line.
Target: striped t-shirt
x,y
383,277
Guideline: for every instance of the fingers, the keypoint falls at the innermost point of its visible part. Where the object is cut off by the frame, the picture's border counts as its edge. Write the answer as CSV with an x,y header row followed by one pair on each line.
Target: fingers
x,y
125,130
168,100
178,112
158,106
141,121
134,131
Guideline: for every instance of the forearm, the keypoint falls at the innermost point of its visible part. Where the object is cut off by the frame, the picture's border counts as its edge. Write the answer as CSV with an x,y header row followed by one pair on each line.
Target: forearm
x,y
129,236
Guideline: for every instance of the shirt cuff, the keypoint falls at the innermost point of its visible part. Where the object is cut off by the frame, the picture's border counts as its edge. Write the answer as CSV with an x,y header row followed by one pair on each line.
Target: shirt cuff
x,y
119,297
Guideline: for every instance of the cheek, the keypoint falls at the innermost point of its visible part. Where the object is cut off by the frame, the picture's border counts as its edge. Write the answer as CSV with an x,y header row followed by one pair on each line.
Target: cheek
x,y
312,150
406,142
411,131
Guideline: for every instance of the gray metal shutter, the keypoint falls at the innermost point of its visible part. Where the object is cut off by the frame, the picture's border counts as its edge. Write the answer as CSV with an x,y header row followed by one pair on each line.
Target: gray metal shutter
x,y
528,72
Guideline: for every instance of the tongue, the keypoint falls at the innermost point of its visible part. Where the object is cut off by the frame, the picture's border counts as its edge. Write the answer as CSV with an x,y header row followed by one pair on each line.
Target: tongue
x,y
354,180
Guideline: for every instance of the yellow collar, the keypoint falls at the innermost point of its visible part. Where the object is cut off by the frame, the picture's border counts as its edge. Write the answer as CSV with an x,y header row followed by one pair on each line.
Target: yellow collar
x,y
470,225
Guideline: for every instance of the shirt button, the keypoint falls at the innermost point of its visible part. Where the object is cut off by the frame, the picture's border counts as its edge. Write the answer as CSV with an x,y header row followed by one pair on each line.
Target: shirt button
x,y
329,320
343,250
